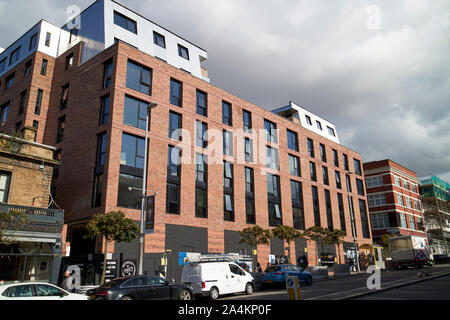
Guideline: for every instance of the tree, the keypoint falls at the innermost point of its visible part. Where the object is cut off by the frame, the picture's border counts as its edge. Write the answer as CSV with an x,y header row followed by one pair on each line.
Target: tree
x,y
11,222
336,237
255,236
316,234
112,226
289,234
384,240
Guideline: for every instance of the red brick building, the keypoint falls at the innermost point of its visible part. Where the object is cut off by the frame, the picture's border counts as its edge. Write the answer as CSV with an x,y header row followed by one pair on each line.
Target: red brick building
x,y
93,111
394,199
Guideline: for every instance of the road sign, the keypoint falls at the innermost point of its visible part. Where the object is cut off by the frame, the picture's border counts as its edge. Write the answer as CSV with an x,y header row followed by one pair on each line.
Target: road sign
x,y
293,288
421,256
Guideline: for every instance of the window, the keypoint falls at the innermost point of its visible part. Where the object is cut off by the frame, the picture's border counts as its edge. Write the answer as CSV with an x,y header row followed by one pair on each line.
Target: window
x,y
364,219
101,150
331,132
228,185
227,115
338,180
319,125
133,151
125,22
135,112
248,150
61,125
341,212
360,187
323,153
9,81
403,221
400,200
97,191
107,73
312,171
274,200
326,179
129,198
297,205
36,124
3,65
139,78
271,131
201,186
23,102
373,182
308,120
412,224
64,96
27,68
316,207
183,52
406,184
250,196
15,56
336,158
409,203
380,221
377,200
176,93
4,112
5,179
33,41
175,126
227,143
397,181
310,148
346,162
48,38
44,67
272,160
173,180
20,291
73,34
200,134
202,103
247,120
329,210
416,204
292,138
69,61
104,110
159,39
357,166
294,166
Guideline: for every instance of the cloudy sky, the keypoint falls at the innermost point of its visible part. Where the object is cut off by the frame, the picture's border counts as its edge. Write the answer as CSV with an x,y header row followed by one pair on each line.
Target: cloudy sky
x,y
378,69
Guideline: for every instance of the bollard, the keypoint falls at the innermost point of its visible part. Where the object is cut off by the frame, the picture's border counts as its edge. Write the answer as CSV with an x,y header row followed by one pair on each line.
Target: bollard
x,y
293,288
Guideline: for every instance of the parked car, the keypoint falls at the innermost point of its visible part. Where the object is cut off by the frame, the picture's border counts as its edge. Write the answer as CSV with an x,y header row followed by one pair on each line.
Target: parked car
x,y
212,279
277,275
140,288
37,291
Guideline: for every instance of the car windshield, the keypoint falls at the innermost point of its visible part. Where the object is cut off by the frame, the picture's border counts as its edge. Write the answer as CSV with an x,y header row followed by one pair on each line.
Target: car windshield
x,y
273,269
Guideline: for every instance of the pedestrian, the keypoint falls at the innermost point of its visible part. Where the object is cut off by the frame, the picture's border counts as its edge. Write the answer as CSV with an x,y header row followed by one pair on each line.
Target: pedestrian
x,y
351,264
305,262
65,282
258,267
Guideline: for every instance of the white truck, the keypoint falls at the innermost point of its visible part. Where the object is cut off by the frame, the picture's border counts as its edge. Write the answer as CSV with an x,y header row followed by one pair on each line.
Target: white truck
x,y
406,251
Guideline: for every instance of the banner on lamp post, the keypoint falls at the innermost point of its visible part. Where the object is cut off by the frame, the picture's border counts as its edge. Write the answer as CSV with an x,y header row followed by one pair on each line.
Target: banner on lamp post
x,y
150,215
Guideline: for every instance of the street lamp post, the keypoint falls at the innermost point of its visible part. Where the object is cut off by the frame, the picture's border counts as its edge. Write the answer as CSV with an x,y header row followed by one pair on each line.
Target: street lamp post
x,y
144,193
352,217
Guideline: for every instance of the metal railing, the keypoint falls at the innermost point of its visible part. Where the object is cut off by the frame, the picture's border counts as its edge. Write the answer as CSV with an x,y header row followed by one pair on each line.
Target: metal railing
x,y
36,214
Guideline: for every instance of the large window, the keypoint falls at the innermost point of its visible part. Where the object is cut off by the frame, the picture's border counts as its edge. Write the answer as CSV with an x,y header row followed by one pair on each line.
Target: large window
x,y
338,180
274,200
329,210
60,132
64,96
323,153
107,73
125,22
247,121
292,138
270,129
377,200
357,166
104,110
133,151
312,171
5,178
44,67
37,109
341,212
97,191
4,109
227,143
373,182
360,187
201,139
250,196
129,195
248,150
201,186
101,150
135,112
175,126
294,166
23,102
176,93
336,158
380,221
326,179
202,103
316,206
297,205
364,219
15,56
173,180
272,160
227,114
310,148
139,78
228,191
346,162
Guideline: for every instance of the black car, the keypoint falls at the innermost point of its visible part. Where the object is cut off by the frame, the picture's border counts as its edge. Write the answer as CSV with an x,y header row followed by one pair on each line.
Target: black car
x,y
140,288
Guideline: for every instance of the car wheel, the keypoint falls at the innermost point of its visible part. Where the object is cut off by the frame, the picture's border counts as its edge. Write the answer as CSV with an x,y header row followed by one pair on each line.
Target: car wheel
x,y
126,298
248,289
214,293
309,281
185,295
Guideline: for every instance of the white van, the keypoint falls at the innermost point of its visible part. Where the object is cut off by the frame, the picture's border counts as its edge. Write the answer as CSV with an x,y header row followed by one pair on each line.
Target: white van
x,y
211,279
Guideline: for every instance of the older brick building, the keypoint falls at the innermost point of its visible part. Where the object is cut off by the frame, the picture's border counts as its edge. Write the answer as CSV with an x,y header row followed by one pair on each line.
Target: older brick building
x,y
94,113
